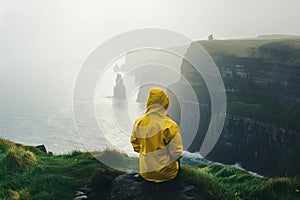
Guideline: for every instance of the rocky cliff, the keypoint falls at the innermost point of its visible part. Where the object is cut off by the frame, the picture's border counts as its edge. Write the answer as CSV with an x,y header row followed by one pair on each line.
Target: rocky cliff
x,y
262,85
258,146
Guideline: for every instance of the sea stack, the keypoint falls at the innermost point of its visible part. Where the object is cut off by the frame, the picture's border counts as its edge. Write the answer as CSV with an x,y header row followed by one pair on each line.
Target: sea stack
x,y
119,88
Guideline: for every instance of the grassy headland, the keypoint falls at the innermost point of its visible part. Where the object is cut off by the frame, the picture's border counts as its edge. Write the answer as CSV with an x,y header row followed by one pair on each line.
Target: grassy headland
x,y
27,173
260,77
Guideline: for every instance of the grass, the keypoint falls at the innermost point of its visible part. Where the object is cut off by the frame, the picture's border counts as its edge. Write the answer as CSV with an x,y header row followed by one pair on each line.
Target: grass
x,y
19,160
252,48
223,182
27,173
239,48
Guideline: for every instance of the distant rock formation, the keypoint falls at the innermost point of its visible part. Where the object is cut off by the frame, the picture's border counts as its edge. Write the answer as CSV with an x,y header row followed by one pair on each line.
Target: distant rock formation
x,y
119,88
143,94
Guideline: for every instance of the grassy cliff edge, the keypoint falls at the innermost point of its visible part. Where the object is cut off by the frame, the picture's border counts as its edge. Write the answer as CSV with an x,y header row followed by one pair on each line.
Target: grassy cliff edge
x,y
27,173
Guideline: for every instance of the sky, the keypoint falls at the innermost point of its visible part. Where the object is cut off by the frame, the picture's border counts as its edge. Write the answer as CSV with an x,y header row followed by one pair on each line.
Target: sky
x,y
60,34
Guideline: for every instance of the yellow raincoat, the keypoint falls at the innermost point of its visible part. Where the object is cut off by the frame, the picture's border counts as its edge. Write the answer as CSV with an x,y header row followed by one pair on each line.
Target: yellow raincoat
x,y
157,139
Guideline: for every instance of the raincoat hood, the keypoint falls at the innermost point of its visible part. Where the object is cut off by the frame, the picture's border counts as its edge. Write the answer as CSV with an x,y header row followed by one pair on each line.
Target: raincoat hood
x,y
157,98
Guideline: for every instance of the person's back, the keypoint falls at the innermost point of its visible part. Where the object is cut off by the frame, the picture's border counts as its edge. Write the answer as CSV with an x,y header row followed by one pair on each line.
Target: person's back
x,y
157,139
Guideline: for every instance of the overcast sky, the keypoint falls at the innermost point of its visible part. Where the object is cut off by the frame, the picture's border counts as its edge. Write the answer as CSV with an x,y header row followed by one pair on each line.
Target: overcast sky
x,y
60,33
75,26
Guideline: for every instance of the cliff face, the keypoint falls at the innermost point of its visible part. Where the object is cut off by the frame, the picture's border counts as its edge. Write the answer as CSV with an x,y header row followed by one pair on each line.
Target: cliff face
x,y
258,146
261,79
279,81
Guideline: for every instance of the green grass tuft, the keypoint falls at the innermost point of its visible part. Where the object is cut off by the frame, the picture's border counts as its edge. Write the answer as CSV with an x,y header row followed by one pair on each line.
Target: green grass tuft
x,y
281,188
18,159
5,145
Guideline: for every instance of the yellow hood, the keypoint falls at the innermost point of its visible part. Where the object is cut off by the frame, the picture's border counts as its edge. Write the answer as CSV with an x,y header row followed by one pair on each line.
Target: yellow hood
x,y
157,98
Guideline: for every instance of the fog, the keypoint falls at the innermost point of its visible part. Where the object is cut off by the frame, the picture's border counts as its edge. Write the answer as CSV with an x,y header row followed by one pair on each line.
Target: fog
x,y
43,44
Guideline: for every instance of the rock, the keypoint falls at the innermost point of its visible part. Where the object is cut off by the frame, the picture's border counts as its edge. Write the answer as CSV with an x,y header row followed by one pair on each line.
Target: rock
x,y
79,193
42,148
126,186
86,190
81,197
188,191
101,180
99,186
130,186
119,89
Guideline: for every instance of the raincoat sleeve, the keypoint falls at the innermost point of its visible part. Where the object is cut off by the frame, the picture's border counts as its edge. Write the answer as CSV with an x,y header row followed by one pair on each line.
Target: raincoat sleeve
x,y
175,146
135,141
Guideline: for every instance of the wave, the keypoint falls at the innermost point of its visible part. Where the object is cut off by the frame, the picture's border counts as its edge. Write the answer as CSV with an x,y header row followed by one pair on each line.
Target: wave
x,y
195,158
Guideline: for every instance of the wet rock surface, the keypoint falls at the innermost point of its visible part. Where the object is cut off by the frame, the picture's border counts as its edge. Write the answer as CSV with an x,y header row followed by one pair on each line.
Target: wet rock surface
x,y
130,186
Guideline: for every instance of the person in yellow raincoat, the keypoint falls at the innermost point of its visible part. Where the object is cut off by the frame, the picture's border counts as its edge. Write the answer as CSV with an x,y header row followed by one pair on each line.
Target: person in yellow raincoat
x,y
157,139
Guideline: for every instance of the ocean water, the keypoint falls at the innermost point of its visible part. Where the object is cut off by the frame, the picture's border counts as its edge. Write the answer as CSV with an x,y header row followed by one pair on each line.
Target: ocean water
x,y
43,122
53,125
36,107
